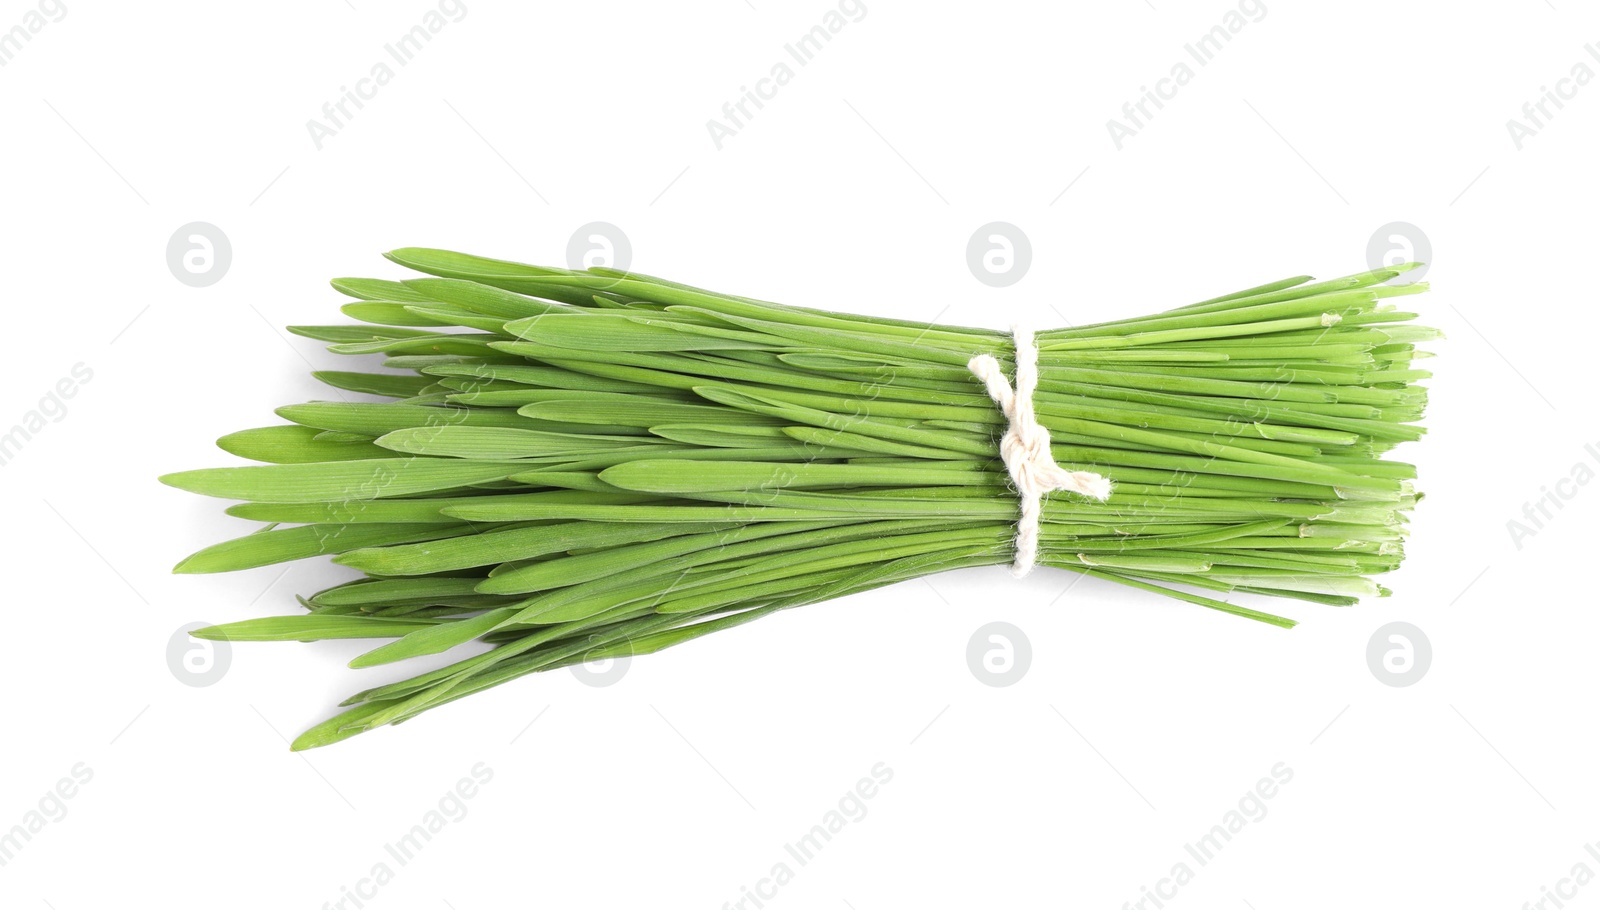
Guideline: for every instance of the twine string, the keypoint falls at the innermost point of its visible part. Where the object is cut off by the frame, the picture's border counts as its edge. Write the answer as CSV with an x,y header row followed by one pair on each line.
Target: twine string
x,y
1025,447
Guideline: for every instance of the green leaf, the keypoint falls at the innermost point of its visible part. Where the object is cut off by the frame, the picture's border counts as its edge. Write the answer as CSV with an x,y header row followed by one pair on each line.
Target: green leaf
x,y
374,478
310,627
386,384
297,445
265,548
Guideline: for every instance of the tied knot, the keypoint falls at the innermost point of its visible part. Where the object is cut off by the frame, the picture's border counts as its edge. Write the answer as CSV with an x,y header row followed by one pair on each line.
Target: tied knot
x,y
1025,447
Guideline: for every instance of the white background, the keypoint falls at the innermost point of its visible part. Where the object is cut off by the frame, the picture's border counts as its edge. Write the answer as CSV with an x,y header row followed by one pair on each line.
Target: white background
x,y
1141,722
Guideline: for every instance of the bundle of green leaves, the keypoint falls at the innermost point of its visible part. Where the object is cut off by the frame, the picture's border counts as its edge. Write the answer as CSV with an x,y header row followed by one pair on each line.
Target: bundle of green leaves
x,y
579,465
